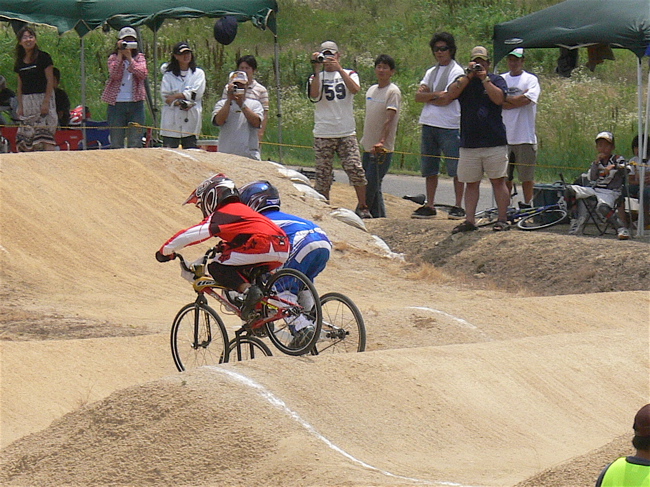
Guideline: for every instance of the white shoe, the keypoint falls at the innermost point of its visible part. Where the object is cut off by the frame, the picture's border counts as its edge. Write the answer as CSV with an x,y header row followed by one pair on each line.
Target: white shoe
x,y
577,225
623,234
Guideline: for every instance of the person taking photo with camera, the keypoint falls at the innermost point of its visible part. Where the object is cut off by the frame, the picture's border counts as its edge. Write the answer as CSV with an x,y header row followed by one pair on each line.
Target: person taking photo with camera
x,y
125,91
483,143
182,88
332,89
239,119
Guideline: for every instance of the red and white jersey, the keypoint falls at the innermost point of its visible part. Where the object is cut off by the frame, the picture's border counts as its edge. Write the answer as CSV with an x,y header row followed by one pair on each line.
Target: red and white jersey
x,y
235,224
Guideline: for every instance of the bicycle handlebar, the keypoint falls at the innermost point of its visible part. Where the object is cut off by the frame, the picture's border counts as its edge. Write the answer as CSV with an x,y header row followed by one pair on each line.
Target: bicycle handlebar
x,y
209,254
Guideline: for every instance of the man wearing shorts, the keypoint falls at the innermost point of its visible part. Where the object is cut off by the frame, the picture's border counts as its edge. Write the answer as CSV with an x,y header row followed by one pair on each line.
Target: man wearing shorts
x,y
483,143
332,90
520,111
440,120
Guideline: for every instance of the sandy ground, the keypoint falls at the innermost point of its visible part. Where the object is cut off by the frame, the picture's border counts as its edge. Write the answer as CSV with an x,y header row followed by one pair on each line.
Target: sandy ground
x,y
493,359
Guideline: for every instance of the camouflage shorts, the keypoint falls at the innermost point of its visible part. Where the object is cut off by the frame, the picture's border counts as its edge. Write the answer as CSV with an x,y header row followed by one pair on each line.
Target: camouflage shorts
x,y
347,148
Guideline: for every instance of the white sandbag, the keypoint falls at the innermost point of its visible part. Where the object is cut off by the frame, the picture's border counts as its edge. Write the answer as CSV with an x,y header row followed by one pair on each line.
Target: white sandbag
x,y
294,175
309,191
386,249
349,217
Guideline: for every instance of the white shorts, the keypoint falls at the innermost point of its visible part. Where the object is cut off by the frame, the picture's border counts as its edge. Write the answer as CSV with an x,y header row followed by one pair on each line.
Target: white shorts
x,y
603,195
473,163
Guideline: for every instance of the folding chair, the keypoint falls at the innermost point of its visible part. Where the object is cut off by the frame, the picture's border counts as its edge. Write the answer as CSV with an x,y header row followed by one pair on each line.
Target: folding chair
x,y
601,223
97,135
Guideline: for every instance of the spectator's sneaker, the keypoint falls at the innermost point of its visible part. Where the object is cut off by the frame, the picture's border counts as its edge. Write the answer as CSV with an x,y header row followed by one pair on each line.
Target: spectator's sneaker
x,y
456,213
524,206
363,212
252,296
302,337
623,234
577,225
424,212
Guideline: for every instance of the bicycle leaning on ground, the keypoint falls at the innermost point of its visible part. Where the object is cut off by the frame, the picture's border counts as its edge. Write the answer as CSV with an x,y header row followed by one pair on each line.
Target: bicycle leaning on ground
x,y
534,218
199,336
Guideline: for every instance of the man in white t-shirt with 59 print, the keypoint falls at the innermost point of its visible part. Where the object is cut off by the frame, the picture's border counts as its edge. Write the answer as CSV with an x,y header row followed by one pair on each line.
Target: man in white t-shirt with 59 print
x,y
519,113
332,90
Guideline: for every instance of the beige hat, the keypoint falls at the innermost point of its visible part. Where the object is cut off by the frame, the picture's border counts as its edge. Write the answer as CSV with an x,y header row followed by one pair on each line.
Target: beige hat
x,y
238,77
329,46
479,52
608,136
128,32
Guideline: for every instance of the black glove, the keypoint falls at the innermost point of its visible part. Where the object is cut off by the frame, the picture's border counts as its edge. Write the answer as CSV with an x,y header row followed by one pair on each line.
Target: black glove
x,y
164,258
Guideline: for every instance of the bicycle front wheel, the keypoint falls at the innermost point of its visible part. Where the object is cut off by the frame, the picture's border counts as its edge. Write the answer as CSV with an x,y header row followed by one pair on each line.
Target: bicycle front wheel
x,y
198,337
297,299
343,328
542,219
487,217
247,348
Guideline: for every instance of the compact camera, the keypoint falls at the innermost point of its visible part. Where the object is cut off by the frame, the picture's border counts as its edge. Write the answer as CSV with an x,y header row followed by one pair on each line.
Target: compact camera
x,y
239,91
322,56
186,104
128,45
477,67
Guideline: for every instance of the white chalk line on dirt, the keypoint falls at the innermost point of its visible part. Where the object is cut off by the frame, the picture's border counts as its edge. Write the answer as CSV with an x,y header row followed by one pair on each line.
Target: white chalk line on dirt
x,y
467,324
280,404
180,153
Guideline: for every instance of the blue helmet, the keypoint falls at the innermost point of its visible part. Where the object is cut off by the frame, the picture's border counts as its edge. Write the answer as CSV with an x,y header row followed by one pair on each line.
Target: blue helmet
x,y
260,196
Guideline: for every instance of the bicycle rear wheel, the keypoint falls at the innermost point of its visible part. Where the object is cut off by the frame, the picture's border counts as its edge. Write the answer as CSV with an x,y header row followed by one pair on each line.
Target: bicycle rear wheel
x,y
542,219
487,217
198,337
343,328
298,300
249,349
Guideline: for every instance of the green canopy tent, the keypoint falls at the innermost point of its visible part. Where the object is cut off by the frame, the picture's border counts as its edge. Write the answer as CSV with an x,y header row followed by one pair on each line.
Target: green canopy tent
x,y
620,24
86,15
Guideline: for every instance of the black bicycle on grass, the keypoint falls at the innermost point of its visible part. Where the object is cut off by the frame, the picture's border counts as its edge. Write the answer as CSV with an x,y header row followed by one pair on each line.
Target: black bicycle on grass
x,y
199,336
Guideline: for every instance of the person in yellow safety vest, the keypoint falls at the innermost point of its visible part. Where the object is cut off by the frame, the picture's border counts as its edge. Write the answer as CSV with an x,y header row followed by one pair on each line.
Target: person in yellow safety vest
x,y
632,471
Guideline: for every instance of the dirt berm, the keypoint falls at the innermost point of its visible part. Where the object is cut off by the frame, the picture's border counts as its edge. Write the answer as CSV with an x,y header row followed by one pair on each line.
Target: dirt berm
x,y
493,359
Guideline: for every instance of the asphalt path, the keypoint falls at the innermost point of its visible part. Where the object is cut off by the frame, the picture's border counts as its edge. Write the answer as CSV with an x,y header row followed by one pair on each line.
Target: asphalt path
x,y
401,185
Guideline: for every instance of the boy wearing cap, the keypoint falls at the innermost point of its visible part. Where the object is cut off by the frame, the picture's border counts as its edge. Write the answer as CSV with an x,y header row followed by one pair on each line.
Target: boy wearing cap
x,y
125,92
632,471
182,88
332,90
606,176
520,111
483,143
239,119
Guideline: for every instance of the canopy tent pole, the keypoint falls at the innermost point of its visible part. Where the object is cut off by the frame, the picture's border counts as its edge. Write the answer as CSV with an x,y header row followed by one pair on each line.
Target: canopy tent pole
x,y
643,145
276,62
155,71
83,92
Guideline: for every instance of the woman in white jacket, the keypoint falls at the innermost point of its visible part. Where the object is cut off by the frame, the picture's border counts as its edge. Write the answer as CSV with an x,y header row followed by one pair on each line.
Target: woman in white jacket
x,y
182,90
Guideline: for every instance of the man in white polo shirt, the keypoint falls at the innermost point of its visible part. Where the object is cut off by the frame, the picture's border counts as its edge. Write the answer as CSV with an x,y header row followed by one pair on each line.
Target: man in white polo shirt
x,y
239,119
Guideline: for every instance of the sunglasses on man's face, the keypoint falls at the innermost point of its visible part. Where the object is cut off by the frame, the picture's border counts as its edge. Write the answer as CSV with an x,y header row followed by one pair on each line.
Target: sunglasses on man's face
x,y
440,48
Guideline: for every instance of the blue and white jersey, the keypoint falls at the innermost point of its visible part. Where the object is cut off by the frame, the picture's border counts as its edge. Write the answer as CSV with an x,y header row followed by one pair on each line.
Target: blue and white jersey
x,y
310,247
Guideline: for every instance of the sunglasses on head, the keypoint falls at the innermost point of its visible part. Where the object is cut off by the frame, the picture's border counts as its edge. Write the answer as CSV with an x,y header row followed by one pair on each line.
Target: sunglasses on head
x,y
440,48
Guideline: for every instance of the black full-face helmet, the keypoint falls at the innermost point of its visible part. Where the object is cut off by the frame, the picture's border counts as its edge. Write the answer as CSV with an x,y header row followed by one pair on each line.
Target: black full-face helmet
x,y
260,196
213,193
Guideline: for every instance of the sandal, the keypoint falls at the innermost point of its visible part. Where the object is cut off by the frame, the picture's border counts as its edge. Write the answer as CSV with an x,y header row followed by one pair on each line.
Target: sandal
x,y
501,226
464,227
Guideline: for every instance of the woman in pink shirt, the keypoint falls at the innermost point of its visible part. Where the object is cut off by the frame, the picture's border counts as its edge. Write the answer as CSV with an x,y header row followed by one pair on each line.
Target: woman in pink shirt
x,y
125,91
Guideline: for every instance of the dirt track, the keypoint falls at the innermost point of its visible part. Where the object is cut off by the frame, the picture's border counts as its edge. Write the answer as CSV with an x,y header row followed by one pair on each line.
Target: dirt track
x,y
474,375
